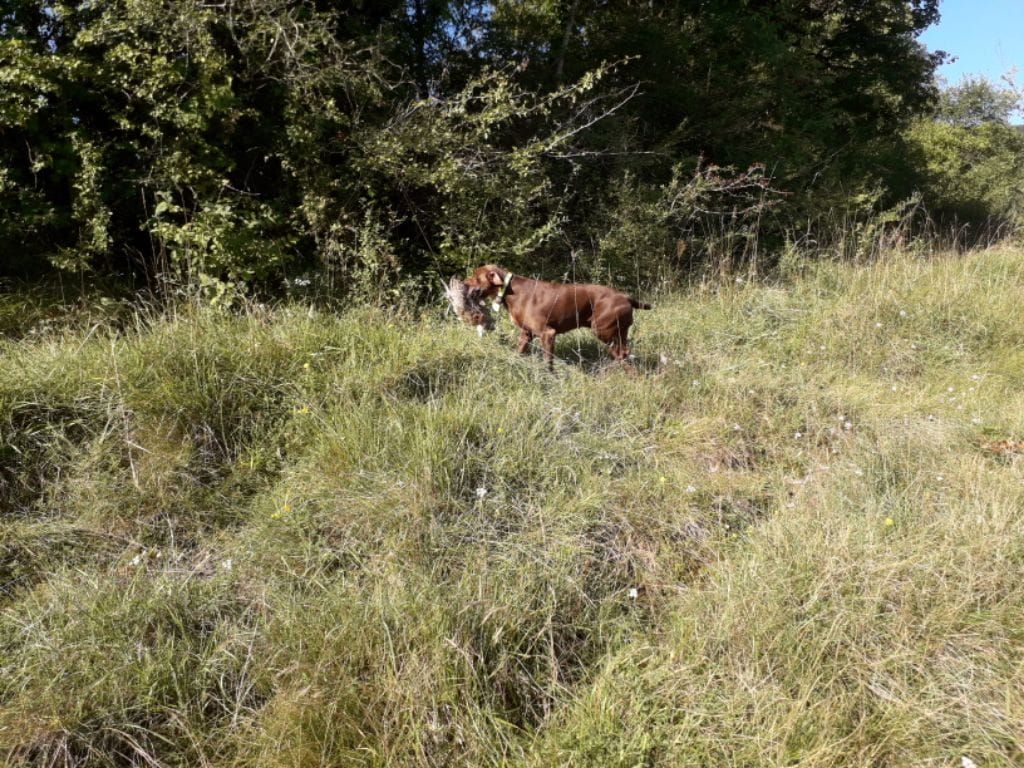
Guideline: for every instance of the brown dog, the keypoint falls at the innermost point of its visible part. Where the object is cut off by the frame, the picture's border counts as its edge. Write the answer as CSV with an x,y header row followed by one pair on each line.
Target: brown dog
x,y
544,309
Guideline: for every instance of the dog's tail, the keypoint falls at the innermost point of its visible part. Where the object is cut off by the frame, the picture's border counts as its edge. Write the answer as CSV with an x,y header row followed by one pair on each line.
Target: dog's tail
x,y
639,304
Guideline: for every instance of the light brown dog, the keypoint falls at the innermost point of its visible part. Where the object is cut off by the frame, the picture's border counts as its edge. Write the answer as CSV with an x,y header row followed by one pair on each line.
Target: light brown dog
x,y
544,310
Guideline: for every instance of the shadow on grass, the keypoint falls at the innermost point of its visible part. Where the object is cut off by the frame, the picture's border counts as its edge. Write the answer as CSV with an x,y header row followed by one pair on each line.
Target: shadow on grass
x,y
583,349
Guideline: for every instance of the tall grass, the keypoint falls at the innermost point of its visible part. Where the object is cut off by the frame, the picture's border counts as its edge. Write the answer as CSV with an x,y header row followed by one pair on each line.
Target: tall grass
x,y
293,538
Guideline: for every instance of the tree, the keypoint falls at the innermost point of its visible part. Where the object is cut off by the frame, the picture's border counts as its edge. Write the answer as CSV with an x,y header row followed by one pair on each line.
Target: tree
x,y
970,158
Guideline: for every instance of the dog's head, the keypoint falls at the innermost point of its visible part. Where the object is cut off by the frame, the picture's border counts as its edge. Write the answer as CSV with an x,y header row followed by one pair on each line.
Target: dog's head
x,y
487,279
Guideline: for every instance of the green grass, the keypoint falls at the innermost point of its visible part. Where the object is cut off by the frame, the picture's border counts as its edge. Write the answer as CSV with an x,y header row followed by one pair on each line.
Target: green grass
x,y
290,538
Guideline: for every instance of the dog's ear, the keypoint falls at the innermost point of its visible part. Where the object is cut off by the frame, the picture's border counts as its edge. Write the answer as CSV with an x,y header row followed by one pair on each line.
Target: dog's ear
x,y
496,277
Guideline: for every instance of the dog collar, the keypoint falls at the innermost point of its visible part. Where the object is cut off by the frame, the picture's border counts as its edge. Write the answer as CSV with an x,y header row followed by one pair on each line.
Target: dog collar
x,y
500,298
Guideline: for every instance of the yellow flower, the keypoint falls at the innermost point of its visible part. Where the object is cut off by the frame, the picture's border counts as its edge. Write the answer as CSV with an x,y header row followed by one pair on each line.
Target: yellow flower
x,y
889,522
304,409
662,479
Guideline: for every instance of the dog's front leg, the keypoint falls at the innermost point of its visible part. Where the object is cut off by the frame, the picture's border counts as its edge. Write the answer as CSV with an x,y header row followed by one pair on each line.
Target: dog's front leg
x,y
525,337
547,343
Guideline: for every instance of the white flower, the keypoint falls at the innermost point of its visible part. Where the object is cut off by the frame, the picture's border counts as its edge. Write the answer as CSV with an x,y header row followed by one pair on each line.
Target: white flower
x,y
136,560
696,383
847,425
878,325
797,435
691,489
226,564
664,359
633,593
903,313
966,762
481,492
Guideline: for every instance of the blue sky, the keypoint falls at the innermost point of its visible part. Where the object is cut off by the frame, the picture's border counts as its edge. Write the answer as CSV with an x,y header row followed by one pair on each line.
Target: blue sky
x,y
986,36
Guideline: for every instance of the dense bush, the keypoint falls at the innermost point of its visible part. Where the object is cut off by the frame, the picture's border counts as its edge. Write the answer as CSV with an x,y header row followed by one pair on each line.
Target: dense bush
x,y
231,144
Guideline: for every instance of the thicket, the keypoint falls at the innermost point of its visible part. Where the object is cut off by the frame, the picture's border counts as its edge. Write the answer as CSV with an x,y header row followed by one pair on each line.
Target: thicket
x,y
377,145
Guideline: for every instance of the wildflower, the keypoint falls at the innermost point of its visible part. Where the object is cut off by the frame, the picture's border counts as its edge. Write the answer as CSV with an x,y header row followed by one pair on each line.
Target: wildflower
x,y
889,522
662,480
878,325
481,492
903,313
847,425
633,593
664,359
500,430
691,489
136,560
797,435
303,410
966,762
305,366
226,564
695,383
735,427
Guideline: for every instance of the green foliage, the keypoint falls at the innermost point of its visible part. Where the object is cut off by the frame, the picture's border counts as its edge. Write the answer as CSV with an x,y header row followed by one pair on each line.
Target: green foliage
x,y
226,146
970,158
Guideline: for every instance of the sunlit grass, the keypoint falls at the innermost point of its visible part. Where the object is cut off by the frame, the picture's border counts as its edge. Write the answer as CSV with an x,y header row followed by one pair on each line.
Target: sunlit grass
x,y
293,538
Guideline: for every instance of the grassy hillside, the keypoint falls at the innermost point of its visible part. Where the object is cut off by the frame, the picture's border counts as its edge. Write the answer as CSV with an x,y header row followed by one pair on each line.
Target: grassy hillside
x,y
295,539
